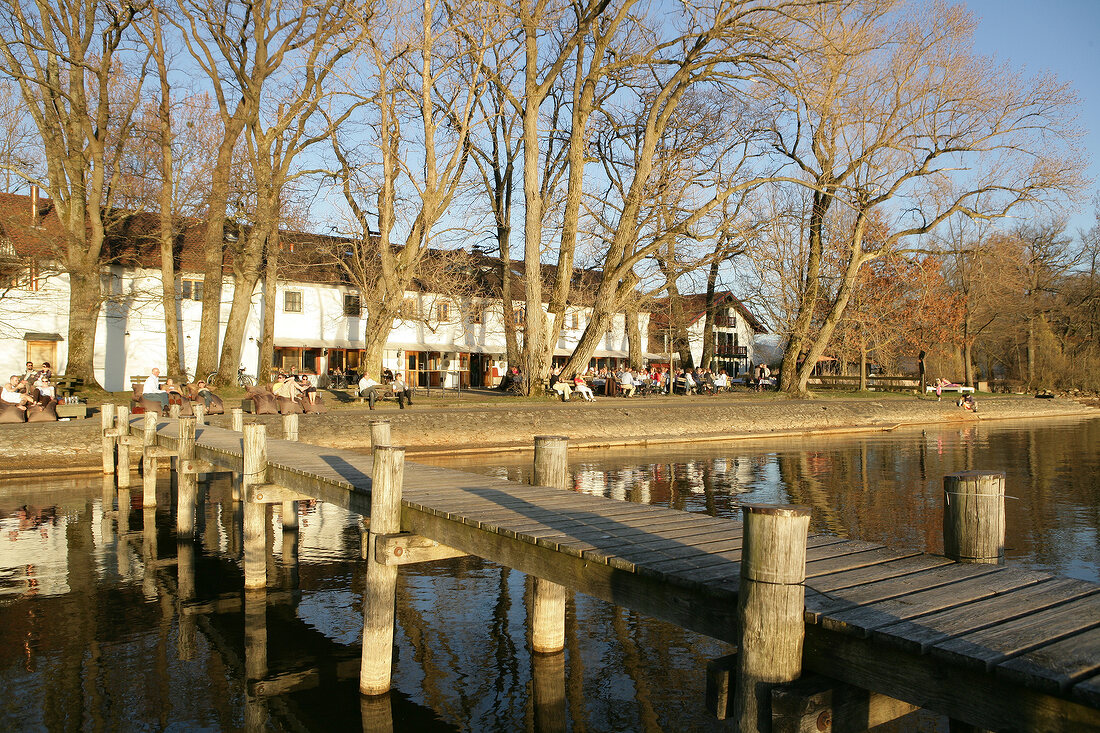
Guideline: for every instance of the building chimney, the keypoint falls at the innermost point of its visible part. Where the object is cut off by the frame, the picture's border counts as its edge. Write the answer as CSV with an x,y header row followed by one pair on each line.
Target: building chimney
x,y
34,205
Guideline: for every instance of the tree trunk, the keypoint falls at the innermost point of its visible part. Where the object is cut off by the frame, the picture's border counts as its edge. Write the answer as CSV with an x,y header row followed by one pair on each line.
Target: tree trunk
x,y
271,305
634,337
966,351
791,380
378,326
214,253
168,299
246,273
708,325
862,362
84,302
508,316
1032,346
166,164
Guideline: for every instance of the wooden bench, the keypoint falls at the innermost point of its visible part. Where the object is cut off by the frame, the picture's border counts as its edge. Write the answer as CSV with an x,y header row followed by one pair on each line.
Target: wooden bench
x,y
68,386
931,389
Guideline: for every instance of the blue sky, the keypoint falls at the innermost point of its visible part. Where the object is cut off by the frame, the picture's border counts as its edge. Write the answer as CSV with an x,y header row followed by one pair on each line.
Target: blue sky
x,y
1058,36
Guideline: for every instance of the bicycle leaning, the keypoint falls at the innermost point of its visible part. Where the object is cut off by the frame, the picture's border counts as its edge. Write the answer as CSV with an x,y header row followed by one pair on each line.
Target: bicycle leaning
x,y
243,380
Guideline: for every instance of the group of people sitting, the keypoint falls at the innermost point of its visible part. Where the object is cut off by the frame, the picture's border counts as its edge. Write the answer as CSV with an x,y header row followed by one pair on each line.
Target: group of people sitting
x,y
152,396
29,397
291,393
373,390
629,382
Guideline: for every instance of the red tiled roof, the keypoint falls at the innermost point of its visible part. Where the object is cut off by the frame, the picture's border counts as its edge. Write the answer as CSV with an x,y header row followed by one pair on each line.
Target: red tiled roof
x,y
132,241
695,307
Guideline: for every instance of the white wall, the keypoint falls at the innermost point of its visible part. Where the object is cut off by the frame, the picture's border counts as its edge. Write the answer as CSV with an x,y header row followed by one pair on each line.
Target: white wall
x,y
130,337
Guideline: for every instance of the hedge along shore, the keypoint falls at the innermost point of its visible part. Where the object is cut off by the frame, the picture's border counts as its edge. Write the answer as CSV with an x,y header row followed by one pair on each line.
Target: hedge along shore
x,y
43,449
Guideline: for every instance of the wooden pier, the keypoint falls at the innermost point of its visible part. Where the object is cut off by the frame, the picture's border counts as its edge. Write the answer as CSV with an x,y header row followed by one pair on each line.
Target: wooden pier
x,y
885,630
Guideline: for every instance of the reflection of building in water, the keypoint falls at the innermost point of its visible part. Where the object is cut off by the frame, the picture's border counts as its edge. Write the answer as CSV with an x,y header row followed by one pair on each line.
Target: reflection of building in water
x,y
34,560
324,530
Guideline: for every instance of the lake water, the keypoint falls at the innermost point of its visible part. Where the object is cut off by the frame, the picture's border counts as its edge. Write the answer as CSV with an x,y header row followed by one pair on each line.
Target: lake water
x,y
106,625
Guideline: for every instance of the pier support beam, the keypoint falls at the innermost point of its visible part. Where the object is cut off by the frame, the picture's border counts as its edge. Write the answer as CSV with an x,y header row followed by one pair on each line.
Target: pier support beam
x,y
186,480
974,516
381,590
107,422
770,603
548,607
255,513
200,414
122,420
236,419
149,461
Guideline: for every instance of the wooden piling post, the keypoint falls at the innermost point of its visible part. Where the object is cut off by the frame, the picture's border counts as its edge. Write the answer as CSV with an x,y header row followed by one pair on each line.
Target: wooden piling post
x,y
174,411
974,516
186,480
378,601
236,416
551,461
200,414
149,461
770,603
548,608
107,422
122,420
379,432
255,526
290,427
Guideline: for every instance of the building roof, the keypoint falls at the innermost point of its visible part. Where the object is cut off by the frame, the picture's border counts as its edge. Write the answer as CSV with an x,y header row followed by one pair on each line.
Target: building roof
x,y
695,308
132,240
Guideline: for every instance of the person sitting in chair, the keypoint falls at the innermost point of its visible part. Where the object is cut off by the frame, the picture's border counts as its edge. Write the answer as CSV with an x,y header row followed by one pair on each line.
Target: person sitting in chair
x,y
204,393
12,394
369,388
404,394
151,389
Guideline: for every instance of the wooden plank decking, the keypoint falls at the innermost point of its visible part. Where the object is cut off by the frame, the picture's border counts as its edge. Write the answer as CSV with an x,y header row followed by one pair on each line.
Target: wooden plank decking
x,y
1012,648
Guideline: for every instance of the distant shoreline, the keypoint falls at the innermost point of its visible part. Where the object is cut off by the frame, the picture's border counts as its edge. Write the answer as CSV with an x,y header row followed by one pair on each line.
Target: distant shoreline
x,y
52,449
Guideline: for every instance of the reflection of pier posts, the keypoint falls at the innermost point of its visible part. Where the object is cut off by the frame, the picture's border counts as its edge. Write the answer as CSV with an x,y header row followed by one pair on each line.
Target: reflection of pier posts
x,y
377,713
255,513
149,552
381,591
185,592
187,479
548,609
548,688
770,602
255,655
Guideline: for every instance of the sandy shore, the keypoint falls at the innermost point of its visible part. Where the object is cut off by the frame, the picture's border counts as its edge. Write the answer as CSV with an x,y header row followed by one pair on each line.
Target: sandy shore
x,y
470,426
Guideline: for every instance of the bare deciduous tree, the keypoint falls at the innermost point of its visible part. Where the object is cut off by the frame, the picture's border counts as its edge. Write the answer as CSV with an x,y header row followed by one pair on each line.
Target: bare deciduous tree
x,y
66,62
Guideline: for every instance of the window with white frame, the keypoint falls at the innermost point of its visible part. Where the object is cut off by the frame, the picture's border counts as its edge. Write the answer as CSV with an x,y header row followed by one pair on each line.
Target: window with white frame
x,y
352,305
190,289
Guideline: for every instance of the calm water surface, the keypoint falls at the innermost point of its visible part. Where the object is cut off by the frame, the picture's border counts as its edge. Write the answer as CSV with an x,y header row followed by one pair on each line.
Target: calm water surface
x,y
105,624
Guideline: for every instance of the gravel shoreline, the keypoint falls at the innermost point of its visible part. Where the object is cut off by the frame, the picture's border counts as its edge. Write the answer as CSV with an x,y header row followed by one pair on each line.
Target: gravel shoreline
x,y
426,429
